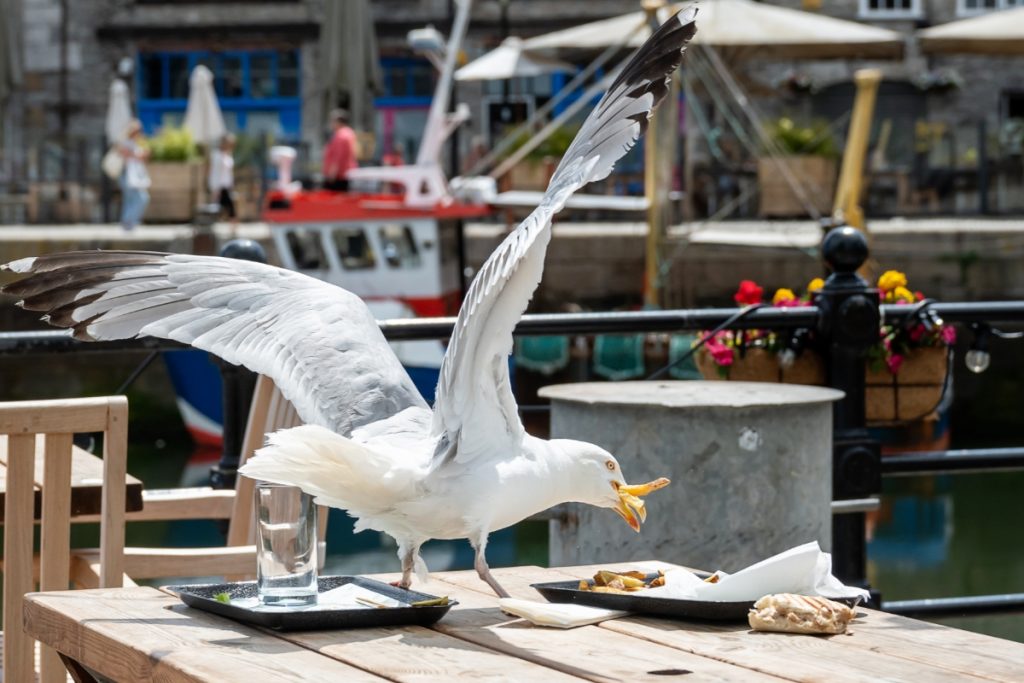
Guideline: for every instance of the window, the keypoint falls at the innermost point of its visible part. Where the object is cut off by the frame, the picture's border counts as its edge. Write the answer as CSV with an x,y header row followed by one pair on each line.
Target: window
x,y
969,7
409,80
399,246
306,249
890,9
258,90
354,249
1012,102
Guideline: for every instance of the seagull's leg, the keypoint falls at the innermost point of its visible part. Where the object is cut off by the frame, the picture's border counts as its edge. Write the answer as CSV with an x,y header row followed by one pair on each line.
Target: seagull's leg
x,y
480,564
407,553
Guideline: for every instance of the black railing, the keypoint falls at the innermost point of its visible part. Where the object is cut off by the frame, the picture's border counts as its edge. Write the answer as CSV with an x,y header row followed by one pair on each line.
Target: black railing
x,y
845,318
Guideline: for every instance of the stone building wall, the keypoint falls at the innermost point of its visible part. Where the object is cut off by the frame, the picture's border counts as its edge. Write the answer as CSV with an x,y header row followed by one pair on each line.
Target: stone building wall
x,y
101,32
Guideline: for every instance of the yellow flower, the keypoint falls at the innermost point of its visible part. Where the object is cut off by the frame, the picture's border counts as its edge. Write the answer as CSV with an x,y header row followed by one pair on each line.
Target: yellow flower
x,y
781,295
891,279
815,284
903,294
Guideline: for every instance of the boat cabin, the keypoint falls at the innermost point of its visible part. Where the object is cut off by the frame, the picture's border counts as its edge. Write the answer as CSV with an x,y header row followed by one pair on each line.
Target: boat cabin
x,y
373,245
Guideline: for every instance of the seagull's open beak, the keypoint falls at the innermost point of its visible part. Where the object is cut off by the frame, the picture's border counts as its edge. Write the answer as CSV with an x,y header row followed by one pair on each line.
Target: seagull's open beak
x,y
630,507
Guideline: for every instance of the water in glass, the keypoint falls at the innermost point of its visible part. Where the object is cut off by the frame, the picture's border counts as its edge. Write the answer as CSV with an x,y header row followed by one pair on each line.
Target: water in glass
x,y
286,546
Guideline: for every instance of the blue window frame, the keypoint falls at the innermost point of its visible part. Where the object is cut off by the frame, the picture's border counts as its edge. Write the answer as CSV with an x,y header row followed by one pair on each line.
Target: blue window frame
x,y
408,82
258,90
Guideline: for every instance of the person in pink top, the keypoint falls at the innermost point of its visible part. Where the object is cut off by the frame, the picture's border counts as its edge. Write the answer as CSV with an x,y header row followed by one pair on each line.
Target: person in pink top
x,y
340,152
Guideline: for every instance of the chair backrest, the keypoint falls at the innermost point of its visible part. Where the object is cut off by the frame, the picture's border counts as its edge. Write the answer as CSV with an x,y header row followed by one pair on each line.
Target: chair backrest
x,y
544,354
619,356
678,346
268,412
56,421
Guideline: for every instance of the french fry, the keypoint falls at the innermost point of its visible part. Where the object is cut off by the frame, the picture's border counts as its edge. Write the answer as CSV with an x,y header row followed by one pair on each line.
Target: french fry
x,y
606,578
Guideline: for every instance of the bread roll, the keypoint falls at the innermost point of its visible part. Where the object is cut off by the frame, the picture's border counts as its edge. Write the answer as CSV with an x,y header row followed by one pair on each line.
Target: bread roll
x,y
790,613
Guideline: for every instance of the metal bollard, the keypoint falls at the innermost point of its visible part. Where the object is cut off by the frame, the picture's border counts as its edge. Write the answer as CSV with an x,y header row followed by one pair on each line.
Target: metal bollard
x,y
848,326
238,384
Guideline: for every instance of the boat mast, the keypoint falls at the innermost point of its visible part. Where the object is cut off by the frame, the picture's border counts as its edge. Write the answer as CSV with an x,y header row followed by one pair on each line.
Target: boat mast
x,y
847,206
437,128
424,182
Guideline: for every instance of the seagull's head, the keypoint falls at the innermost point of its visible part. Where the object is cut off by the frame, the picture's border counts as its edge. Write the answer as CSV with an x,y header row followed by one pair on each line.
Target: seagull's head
x,y
598,480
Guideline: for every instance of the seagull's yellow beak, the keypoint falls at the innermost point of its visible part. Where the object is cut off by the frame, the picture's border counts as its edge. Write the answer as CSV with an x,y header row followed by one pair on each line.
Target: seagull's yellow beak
x,y
630,507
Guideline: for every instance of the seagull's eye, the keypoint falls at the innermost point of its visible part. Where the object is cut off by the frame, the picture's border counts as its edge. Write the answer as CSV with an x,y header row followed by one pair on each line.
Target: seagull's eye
x,y
610,465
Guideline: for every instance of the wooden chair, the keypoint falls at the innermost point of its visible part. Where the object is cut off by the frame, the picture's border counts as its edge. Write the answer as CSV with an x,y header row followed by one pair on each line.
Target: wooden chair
x,y
269,412
23,422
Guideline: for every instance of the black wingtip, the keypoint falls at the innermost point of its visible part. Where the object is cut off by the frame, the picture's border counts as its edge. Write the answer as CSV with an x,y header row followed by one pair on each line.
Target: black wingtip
x,y
662,53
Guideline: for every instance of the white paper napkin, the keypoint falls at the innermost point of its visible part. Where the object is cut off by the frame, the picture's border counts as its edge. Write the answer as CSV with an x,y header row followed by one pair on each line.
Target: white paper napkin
x,y
804,569
557,615
350,595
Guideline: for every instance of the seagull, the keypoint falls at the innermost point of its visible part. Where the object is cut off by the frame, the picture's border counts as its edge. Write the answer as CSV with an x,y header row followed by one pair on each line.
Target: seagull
x,y
370,444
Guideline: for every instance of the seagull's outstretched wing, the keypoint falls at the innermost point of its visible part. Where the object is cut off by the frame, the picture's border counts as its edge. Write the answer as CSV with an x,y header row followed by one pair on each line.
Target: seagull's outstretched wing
x,y
474,402
318,342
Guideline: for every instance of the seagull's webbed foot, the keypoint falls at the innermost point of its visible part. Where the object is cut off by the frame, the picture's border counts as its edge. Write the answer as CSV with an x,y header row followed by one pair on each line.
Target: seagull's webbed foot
x,y
480,564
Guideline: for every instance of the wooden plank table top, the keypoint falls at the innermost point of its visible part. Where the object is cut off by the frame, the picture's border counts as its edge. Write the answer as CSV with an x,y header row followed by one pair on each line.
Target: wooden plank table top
x,y
86,482
144,634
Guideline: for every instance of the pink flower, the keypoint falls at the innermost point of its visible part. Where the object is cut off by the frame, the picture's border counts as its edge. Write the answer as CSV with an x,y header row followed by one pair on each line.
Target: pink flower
x,y
720,353
917,332
948,334
894,362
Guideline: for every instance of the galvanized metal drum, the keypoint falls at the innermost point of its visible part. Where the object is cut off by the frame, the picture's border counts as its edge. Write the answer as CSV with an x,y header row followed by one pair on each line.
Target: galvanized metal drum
x,y
750,463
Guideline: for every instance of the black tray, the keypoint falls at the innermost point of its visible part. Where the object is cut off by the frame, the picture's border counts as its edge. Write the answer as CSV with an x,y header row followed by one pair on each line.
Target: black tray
x,y
201,596
637,603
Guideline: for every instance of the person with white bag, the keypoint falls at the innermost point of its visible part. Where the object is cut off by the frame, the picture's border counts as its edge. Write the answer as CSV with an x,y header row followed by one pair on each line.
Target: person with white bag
x,y
134,178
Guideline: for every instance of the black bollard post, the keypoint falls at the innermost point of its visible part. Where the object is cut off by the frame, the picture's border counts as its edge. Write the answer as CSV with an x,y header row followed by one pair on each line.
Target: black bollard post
x,y
238,385
848,327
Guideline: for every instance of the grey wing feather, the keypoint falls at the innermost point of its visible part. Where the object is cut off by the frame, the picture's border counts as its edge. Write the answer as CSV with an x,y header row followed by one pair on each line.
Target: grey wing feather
x,y
319,343
474,404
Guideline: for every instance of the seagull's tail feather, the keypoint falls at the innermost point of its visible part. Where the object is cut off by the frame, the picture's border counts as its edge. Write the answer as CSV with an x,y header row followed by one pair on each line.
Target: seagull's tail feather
x,y
337,471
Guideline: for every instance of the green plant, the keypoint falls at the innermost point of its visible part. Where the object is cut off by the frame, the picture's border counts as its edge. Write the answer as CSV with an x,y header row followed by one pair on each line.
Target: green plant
x,y
553,146
793,139
172,144
250,148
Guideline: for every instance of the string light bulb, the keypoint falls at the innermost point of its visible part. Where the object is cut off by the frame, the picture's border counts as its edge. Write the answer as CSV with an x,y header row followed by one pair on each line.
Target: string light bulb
x,y
978,358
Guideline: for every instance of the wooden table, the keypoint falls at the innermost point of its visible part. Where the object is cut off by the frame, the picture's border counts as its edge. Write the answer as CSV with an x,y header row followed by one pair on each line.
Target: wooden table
x,y
86,482
144,634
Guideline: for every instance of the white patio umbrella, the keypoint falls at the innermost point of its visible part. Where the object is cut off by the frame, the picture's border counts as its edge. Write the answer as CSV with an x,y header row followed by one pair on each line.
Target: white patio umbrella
x,y
350,60
510,60
10,51
744,26
119,111
202,115
989,34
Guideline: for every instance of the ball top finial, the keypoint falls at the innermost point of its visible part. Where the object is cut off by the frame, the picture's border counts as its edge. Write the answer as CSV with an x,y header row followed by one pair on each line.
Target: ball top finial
x,y
245,249
845,249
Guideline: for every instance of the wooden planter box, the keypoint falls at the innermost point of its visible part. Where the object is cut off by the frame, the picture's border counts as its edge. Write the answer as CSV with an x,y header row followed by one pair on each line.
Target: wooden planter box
x,y
816,175
529,175
174,190
911,395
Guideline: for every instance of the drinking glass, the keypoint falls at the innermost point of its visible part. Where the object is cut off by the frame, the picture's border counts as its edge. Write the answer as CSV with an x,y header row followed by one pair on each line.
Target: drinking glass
x,y
286,545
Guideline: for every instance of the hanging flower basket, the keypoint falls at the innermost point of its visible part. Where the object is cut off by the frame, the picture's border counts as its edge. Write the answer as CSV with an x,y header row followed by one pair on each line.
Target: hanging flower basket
x,y
906,370
761,365
913,392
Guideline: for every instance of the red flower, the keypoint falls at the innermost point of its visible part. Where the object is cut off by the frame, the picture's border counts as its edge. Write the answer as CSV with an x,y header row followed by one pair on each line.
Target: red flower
x,y
748,293
917,332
